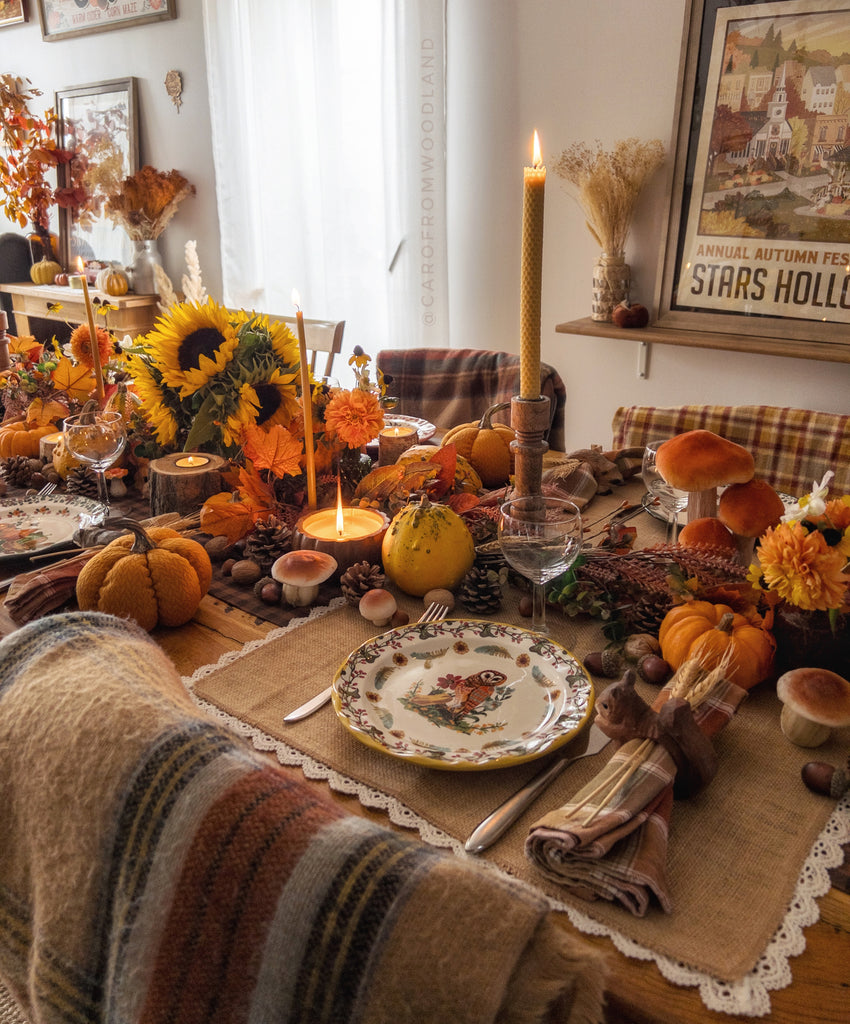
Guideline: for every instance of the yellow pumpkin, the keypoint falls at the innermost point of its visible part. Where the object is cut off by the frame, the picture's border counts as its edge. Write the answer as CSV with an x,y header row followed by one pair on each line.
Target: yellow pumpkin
x,y
466,478
709,632
45,271
486,446
112,281
155,576
427,547
124,401
17,437
63,460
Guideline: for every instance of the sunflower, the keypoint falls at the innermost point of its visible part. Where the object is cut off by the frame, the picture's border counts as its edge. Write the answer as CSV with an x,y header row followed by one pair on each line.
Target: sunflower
x,y
191,344
283,342
354,416
154,408
80,345
266,398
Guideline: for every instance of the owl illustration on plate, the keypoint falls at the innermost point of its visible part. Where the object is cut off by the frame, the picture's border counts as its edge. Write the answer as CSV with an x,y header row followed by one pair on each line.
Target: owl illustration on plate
x,y
455,698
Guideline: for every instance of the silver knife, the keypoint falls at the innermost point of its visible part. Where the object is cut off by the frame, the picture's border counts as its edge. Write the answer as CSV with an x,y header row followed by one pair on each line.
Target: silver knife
x,y
312,705
496,824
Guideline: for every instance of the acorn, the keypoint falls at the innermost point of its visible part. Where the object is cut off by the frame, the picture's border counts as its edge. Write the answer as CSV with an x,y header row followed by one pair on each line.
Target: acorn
x,y
825,779
654,670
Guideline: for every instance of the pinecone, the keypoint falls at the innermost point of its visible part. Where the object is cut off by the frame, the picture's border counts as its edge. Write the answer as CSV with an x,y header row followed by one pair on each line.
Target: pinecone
x,y
481,590
267,542
18,470
645,613
489,555
82,480
359,578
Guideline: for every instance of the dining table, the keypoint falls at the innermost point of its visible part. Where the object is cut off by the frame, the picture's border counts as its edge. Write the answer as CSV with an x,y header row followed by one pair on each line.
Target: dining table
x,y
249,664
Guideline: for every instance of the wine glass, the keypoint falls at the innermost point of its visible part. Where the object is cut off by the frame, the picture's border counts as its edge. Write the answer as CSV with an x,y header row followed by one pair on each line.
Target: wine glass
x,y
97,438
671,500
540,537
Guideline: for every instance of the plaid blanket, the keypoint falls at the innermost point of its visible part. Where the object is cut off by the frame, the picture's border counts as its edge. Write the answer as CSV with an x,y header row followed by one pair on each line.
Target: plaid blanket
x,y
155,867
621,854
792,448
450,386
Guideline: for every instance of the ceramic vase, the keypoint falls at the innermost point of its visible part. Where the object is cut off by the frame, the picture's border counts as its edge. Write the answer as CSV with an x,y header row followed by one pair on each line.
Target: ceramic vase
x,y
611,281
142,273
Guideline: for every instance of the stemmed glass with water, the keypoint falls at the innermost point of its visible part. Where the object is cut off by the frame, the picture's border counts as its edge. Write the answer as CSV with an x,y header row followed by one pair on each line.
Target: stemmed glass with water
x,y
96,438
671,500
540,537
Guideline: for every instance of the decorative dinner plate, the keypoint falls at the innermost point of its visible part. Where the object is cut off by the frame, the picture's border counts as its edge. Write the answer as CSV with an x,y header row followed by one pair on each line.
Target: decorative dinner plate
x,y
30,525
462,694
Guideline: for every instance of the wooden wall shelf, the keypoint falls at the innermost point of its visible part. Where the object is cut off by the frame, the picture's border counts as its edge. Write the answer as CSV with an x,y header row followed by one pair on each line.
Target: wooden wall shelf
x,y
795,348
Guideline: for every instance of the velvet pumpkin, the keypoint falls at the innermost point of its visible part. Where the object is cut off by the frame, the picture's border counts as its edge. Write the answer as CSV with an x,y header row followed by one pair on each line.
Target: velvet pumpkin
x,y
18,437
155,576
45,271
707,633
486,446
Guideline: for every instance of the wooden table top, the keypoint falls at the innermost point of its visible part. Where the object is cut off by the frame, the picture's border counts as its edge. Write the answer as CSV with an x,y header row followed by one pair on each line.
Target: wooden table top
x,y
638,994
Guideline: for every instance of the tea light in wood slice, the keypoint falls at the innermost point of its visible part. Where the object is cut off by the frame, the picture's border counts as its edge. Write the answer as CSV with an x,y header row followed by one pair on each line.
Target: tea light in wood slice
x,y
393,440
349,534
46,445
183,481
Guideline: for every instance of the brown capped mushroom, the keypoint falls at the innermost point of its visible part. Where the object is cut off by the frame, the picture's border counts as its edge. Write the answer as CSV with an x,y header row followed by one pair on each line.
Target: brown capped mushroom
x,y
816,701
700,461
300,574
748,510
377,606
707,532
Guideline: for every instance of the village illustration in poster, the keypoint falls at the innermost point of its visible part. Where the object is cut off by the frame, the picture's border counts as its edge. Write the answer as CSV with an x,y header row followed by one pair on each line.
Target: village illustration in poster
x,y
768,226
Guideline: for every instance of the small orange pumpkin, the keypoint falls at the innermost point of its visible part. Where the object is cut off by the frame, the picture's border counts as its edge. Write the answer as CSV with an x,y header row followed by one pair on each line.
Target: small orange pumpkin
x,y
17,437
486,446
112,281
707,632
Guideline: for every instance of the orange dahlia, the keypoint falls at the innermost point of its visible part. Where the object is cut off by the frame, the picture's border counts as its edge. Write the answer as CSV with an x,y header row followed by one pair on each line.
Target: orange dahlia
x,y
355,417
81,345
802,568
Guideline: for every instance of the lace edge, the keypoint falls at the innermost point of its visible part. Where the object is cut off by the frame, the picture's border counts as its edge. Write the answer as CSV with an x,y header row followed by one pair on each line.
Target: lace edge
x,y
747,996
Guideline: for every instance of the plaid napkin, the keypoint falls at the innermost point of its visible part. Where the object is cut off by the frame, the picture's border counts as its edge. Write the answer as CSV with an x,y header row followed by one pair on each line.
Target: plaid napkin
x,y
621,854
40,592
583,474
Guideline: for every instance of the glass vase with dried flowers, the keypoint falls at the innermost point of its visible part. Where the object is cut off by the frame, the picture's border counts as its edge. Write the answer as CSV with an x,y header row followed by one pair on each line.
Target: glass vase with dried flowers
x,y
143,205
606,184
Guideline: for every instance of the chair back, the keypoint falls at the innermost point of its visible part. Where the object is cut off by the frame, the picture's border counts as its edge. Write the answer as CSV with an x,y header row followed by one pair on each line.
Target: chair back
x,y
15,263
448,386
792,448
323,337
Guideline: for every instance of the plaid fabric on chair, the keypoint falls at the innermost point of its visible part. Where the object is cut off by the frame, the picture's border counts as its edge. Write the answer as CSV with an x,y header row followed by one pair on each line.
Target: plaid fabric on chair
x,y
791,447
449,386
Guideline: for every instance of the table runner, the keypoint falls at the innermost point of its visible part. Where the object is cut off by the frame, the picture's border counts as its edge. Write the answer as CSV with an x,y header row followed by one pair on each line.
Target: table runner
x,y
750,838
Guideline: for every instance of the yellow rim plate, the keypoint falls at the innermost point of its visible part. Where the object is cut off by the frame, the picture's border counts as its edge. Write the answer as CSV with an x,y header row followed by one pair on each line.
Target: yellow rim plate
x,y
463,695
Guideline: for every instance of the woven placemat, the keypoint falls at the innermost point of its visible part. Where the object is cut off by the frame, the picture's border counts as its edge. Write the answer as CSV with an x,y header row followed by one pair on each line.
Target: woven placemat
x,y
742,842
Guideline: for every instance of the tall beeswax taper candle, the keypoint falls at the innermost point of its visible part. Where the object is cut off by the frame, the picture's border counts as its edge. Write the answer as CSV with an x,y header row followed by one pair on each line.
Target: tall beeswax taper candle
x,y
534,185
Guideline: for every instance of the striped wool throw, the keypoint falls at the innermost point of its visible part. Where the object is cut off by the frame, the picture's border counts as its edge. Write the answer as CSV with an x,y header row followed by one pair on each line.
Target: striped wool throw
x,y
154,867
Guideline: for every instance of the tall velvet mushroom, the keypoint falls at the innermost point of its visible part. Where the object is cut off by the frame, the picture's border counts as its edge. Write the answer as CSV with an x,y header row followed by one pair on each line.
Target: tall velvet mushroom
x,y
700,461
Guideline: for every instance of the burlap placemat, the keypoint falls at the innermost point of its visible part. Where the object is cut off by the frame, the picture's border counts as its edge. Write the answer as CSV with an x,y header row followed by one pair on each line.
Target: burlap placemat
x,y
736,850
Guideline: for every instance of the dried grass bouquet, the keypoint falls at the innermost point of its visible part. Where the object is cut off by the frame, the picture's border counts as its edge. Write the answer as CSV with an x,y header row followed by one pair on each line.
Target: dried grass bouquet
x,y
146,201
607,184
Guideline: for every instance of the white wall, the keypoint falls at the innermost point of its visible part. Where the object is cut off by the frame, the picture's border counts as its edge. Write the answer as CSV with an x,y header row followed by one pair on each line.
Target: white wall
x,y
570,69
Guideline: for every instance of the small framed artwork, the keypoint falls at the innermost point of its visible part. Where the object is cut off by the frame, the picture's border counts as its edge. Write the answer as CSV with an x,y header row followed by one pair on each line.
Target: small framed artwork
x,y
12,13
758,235
63,18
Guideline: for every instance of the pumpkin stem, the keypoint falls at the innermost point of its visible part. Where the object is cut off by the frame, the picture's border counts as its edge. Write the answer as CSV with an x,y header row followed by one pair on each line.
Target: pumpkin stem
x,y
142,541
484,423
88,411
725,623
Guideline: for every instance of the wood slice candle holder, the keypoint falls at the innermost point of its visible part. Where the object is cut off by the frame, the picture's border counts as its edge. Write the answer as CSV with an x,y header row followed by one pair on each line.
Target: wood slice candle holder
x,y
530,420
182,482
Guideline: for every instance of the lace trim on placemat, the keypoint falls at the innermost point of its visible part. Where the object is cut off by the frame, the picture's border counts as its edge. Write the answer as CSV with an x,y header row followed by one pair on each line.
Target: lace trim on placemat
x,y
749,996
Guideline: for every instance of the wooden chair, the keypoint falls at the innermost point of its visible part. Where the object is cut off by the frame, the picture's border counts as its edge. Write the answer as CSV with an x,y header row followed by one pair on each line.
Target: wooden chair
x,y
322,336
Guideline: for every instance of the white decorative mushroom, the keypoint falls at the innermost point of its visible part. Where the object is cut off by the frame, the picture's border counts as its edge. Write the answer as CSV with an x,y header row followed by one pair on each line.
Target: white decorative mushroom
x,y
378,606
301,573
815,701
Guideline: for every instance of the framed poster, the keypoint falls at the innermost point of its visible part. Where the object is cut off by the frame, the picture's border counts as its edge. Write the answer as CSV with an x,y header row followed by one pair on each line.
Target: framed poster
x,y
62,18
758,233
12,13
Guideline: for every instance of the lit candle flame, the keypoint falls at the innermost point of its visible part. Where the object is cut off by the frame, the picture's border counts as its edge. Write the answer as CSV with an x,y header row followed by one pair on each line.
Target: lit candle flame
x,y
80,265
296,299
537,158
340,519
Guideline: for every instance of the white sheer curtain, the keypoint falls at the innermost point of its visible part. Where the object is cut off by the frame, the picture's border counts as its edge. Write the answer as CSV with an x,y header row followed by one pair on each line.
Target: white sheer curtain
x,y
329,147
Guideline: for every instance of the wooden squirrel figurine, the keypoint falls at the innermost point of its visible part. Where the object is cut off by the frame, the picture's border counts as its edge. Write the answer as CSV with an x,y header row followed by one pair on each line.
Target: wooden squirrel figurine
x,y
623,715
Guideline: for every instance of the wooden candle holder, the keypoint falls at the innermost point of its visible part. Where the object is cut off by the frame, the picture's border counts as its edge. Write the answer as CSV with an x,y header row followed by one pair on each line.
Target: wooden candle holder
x,y
530,421
183,489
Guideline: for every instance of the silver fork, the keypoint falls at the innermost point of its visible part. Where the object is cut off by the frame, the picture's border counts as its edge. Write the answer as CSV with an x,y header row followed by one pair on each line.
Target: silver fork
x,y
46,491
496,824
433,612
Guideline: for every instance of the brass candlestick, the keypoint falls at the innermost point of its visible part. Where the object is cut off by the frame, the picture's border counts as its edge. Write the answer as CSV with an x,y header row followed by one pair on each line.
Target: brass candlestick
x,y
530,421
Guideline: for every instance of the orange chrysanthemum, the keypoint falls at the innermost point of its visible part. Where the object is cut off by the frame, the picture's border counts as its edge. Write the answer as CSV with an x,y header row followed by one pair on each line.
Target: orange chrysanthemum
x,y
81,345
802,568
355,417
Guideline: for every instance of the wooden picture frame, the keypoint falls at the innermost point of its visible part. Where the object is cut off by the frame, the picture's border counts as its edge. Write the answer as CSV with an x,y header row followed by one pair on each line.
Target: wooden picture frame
x,y
757,248
14,13
61,19
99,123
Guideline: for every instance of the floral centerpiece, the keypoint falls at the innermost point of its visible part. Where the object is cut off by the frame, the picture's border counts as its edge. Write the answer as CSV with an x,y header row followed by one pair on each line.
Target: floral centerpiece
x,y
802,573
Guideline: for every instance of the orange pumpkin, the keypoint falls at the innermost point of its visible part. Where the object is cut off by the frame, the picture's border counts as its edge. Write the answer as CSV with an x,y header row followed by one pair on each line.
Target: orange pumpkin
x,y
486,446
708,632
18,437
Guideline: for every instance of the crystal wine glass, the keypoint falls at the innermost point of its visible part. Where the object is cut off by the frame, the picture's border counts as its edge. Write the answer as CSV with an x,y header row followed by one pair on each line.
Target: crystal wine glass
x,y
97,438
540,537
671,500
